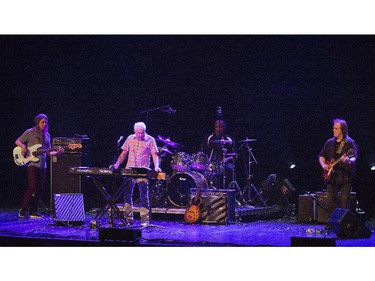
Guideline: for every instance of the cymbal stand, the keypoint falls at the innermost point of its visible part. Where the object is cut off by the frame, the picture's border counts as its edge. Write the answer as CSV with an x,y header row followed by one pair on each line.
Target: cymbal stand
x,y
224,168
249,186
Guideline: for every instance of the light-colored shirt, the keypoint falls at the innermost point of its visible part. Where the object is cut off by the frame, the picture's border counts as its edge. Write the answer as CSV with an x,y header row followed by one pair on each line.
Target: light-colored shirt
x,y
139,152
32,137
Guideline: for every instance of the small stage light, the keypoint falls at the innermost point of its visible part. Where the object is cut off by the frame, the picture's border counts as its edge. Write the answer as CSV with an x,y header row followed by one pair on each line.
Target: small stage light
x,y
291,165
372,167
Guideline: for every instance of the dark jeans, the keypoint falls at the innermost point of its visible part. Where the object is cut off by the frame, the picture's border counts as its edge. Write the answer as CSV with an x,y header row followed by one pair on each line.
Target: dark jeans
x,y
144,198
34,188
338,196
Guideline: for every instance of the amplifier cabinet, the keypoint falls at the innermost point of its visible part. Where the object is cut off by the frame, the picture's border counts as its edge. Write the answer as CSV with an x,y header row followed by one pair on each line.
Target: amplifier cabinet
x,y
313,207
69,208
322,213
218,205
72,145
306,210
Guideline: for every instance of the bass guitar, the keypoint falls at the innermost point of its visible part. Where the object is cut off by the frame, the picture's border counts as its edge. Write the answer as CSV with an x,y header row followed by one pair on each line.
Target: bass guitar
x,y
193,213
33,152
327,174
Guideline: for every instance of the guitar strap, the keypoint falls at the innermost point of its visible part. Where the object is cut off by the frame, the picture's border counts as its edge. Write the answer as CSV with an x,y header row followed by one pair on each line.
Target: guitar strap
x,y
339,149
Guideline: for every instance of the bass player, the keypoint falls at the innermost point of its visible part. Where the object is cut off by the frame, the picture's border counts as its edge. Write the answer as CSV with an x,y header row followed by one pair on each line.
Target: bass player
x,y
36,171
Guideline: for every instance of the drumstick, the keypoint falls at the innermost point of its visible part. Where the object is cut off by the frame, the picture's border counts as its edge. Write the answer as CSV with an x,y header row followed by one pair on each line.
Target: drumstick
x,y
212,151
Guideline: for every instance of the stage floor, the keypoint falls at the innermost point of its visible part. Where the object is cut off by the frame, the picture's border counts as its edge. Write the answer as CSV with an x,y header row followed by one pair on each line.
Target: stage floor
x,y
269,232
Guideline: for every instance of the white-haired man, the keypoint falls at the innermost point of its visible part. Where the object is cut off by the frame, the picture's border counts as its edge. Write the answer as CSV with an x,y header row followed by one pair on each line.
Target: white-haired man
x,y
139,148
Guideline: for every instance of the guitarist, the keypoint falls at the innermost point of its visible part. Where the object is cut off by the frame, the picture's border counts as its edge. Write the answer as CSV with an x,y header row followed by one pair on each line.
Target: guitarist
x,y
343,150
36,171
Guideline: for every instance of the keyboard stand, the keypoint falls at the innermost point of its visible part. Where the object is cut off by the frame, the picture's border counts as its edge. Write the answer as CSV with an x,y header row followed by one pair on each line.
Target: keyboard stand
x,y
111,199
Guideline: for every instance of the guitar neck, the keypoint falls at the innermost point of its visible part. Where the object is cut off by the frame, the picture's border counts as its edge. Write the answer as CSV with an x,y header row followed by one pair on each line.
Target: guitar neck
x,y
349,154
42,151
336,162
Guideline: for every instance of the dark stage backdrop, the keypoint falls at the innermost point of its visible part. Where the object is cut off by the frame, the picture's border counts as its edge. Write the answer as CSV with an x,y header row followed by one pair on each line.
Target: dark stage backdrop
x,y
283,91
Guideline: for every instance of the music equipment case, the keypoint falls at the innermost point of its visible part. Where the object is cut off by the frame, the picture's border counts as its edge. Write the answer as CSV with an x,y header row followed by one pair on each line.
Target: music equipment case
x,y
218,205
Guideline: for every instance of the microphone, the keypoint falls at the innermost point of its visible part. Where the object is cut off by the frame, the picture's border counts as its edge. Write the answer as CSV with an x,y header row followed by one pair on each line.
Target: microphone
x,y
120,139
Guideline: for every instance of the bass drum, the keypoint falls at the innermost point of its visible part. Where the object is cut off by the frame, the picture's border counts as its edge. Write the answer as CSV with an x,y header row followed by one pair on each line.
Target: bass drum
x,y
178,189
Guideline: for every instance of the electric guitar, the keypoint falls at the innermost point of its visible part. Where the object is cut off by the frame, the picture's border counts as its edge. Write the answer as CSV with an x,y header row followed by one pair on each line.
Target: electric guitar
x,y
193,213
327,174
33,152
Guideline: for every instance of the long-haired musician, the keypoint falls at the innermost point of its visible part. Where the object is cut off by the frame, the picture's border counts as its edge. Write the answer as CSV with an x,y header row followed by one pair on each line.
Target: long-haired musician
x,y
338,160
36,170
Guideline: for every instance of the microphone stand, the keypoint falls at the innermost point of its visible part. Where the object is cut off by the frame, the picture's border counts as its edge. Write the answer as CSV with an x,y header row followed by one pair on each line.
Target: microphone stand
x,y
164,108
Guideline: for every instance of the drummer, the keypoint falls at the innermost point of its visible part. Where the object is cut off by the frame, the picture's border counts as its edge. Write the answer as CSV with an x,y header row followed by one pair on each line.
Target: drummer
x,y
214,146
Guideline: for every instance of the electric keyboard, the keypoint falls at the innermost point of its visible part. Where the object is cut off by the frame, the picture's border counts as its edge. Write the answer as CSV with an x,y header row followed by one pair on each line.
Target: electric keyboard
x,y
136,172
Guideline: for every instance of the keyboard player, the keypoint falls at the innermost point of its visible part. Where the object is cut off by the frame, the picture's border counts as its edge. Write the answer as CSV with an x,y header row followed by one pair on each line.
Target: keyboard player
x,y
138,148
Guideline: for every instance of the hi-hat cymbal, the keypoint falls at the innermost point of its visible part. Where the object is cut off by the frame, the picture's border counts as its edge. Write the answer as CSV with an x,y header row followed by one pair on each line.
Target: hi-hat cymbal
x,y
167,141
222,141
231,154
248,140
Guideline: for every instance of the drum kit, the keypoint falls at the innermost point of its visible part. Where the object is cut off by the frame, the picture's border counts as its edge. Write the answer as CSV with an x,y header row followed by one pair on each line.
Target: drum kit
x,y
191,171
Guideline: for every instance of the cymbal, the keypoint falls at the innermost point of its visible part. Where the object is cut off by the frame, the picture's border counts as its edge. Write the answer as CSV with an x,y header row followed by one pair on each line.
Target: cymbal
x,y
248,140
164,149
231,154
167,141
222,141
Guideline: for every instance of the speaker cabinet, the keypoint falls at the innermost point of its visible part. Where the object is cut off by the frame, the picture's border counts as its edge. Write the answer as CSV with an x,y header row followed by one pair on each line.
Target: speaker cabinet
x,y
322,212
313,207
61,180
306,211
346,225
69,208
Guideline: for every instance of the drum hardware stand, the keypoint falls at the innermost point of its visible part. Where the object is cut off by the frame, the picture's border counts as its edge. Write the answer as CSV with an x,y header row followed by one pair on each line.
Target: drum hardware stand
x,y
159,186
224,153
160,191
233,184
249,186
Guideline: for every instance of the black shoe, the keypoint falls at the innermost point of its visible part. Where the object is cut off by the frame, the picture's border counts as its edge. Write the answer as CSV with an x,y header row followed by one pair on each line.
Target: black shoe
x,y
35,215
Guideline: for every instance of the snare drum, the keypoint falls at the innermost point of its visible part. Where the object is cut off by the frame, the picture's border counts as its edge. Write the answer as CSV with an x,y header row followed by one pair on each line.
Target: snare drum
x,y
180,162
199,161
